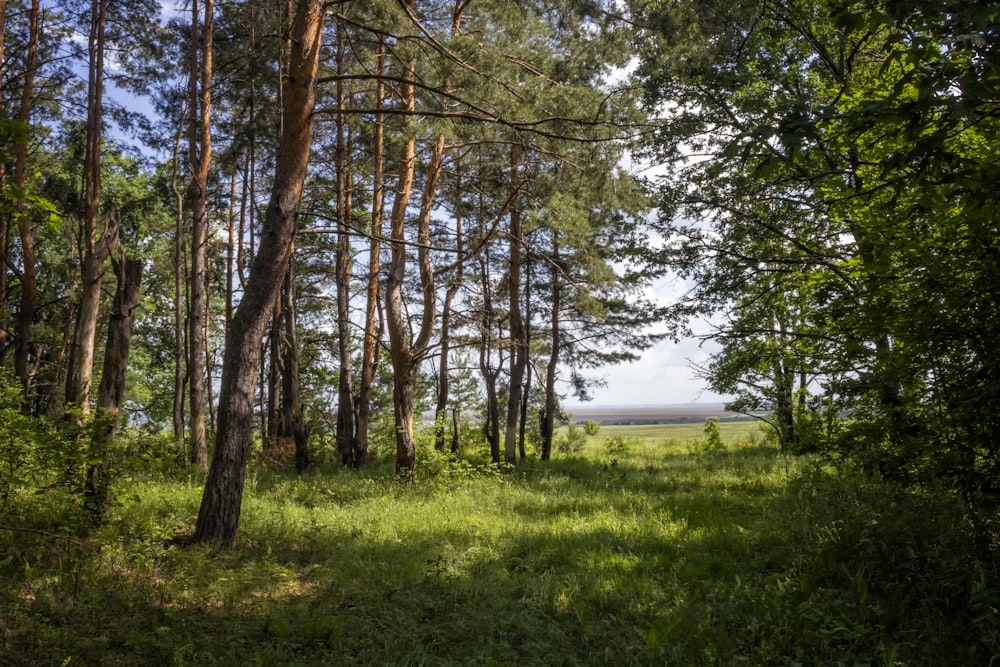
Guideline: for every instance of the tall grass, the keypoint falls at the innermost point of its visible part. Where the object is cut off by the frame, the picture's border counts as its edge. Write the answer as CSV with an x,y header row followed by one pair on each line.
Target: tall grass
x,y
636,551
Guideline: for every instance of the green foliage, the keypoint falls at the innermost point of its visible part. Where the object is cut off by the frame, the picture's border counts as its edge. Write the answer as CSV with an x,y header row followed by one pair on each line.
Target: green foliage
x,y
845,225
616,449
41,469
713,435
590,427
572,440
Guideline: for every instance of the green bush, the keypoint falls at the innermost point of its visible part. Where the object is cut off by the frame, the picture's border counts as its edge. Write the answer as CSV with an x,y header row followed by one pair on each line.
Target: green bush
x,y
41,469
617,448
572,441
713,435
590,427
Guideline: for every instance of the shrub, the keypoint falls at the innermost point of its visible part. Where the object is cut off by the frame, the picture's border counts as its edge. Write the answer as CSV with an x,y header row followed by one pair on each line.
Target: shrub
x,y
572,441
617,448
39,466
590,427
713,435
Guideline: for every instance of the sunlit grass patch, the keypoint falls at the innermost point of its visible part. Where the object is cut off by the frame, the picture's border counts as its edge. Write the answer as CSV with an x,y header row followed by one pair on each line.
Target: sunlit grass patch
x,y
644,551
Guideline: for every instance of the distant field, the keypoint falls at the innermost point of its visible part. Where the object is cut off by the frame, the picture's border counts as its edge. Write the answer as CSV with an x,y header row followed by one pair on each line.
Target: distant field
x,y
665,414
731,431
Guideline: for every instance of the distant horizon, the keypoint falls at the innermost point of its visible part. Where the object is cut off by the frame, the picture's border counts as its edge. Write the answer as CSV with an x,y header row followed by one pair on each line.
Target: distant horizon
x,y
643,406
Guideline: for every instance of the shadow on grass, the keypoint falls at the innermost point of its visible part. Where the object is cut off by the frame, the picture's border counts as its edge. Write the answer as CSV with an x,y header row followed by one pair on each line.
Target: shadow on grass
x,y
583,566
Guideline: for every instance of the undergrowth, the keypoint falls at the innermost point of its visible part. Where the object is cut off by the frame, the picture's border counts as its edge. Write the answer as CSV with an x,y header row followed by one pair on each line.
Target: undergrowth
x,y
629,552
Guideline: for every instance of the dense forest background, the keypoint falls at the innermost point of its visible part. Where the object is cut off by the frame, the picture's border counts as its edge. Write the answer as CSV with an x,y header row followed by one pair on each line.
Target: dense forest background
x,y
278,233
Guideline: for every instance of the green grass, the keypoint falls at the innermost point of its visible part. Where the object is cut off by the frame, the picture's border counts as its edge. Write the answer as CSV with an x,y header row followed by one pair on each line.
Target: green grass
x,y
658,554
731,431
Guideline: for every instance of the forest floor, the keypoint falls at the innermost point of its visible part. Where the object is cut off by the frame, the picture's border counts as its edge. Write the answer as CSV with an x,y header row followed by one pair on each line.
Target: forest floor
x,y
645,548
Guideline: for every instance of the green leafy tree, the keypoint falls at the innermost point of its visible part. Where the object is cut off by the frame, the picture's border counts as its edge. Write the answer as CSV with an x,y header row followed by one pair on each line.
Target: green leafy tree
x,y
843,161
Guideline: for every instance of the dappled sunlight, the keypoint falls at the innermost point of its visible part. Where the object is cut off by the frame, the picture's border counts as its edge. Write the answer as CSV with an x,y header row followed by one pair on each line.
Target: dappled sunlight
x,y
668,554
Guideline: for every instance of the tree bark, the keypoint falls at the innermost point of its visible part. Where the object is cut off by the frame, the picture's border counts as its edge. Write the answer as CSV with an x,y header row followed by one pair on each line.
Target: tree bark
x,y
95,251
518,346
549,414
441,410
526,393
293,424
407,356
345,390
372,342
491,427
219,514
400,351
111,391
29,293
5,218
275,370
200,157
180,298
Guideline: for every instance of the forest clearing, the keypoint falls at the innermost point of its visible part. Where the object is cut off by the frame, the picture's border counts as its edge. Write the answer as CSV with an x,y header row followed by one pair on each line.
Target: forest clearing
x,y
633,551
295,298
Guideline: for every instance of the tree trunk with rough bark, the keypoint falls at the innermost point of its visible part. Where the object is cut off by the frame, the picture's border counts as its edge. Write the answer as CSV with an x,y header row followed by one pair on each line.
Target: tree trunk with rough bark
x,y
111,391
5,218
370,346
94,252
293,426
200,158
491,427
345,389
29,290
180,298
549,414
518,347
219,514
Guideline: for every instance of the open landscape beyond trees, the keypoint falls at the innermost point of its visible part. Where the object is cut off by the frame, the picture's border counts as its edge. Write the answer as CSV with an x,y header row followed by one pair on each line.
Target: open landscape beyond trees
x,y
294,292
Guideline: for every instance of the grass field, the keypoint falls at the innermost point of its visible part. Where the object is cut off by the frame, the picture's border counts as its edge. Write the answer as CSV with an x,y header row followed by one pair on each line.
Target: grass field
x,y
731,431
642,549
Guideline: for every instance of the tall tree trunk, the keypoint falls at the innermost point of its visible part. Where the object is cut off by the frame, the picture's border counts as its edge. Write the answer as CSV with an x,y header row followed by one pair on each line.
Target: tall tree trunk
x,y
200,157
5,218
491,427
111,391
245,189
219,514
440,411
56,400
443,376
372,343
406,356
29,294
518,347
549,414
94,251
400,350
180,297
275,370
230,251
293,423
345,390
526,393
209,361
456,428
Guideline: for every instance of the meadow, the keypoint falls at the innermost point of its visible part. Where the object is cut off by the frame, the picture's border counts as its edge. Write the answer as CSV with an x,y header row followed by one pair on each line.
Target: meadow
x,y
646,547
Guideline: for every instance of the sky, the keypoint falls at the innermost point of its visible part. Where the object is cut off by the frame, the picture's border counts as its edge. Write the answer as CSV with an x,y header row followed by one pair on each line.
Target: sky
x,y
664,375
